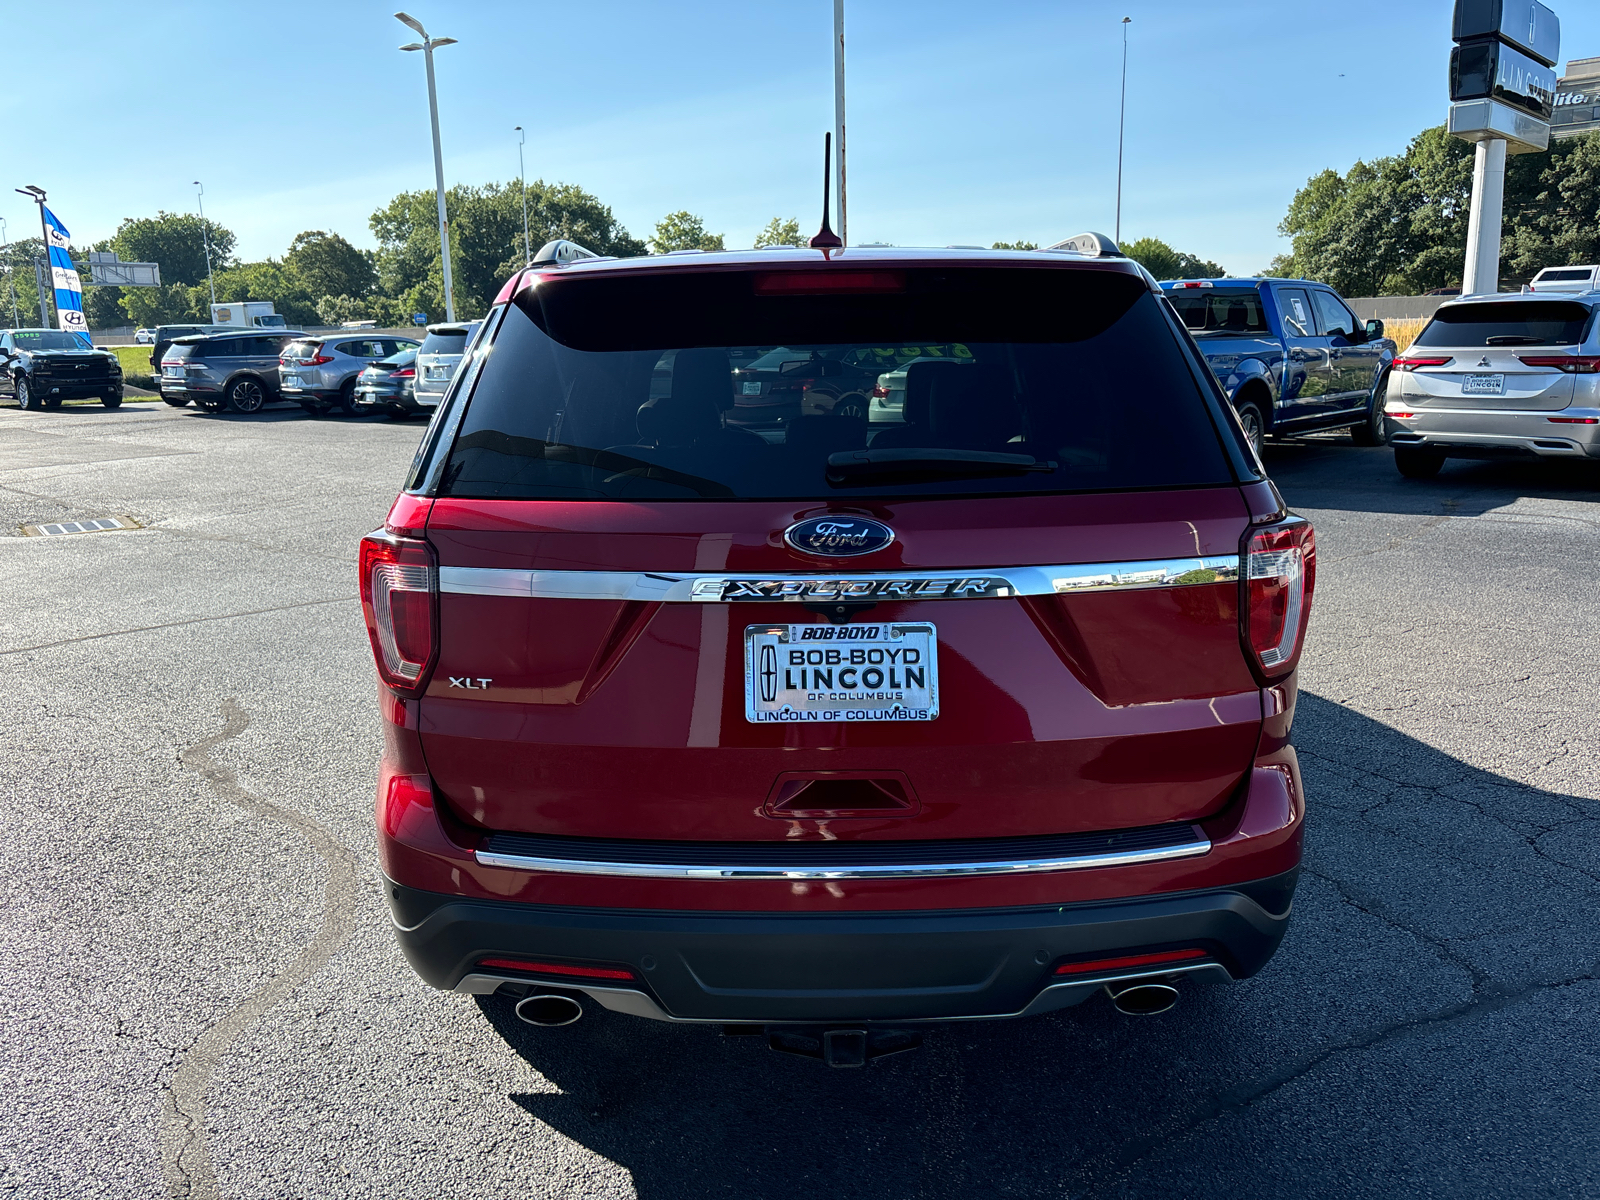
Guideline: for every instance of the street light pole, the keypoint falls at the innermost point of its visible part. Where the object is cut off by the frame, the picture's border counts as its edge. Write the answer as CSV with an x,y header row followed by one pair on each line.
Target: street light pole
x,y
37,195
1122,121
522,174
838,115
205,239
427,46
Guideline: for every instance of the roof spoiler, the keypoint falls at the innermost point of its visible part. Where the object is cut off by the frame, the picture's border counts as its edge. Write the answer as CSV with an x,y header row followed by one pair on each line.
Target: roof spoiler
x,y
559,252
1095,245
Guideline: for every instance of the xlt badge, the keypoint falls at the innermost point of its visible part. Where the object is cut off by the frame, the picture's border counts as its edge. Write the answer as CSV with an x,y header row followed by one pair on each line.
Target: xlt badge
x,y
470,682
838,537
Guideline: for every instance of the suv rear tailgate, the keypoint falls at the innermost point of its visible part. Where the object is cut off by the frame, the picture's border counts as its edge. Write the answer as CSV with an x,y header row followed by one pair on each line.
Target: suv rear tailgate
x,y
607,717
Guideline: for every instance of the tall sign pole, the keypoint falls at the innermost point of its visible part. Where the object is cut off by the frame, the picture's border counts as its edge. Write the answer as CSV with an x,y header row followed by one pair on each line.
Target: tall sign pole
x,y
1502,96
838,114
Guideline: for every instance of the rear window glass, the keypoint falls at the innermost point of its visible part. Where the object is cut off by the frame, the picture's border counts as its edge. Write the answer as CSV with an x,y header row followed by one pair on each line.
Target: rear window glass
x,y
444,343
940,383
183,350
301,350
1564,274
1205,310
1536,323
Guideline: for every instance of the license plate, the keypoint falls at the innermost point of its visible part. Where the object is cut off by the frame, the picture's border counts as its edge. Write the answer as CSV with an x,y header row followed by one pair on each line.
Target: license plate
x,y
437,373
1483,385
752,389
887,671
172,372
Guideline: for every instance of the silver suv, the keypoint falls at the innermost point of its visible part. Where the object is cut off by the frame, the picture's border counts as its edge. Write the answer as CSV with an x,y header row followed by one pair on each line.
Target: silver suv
x,y
1494,377
442,351
320,372
239,370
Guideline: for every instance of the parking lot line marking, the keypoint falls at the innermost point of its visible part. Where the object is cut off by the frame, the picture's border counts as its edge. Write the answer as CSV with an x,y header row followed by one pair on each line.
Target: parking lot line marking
x,y
254,612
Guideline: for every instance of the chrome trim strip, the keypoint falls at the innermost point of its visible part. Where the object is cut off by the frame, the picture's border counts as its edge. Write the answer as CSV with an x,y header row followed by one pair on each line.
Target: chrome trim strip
x,y
689,587
1076,862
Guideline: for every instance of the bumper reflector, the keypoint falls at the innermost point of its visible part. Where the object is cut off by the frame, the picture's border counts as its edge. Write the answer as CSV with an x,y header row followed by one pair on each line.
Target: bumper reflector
x,y
1128,962
548,968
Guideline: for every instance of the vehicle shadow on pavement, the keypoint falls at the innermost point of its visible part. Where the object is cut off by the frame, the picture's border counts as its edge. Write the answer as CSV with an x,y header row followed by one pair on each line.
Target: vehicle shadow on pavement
x,y
1315,473
1443,911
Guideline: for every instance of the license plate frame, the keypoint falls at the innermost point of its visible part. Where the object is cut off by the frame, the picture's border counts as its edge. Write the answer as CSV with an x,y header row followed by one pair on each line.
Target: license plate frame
x,y
832,685
1483,385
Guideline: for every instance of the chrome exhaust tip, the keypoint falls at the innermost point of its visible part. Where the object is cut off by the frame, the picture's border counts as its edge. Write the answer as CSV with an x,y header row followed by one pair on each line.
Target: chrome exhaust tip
x,y
1142,998
548,1009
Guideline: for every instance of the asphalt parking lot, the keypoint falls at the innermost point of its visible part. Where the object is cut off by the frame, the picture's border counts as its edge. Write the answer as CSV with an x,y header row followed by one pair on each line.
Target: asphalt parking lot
x,y
201,995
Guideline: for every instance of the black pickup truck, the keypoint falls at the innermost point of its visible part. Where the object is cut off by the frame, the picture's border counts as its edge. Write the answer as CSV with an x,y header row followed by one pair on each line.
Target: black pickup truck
x,y
1290,354
42,367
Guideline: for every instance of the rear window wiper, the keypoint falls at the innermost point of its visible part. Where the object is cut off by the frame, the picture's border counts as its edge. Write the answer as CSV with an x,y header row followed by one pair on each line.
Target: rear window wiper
x,y
860,467
1512,339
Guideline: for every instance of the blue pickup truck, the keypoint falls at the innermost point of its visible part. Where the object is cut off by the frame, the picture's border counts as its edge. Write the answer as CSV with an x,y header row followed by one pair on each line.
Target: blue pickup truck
x,y
1290,355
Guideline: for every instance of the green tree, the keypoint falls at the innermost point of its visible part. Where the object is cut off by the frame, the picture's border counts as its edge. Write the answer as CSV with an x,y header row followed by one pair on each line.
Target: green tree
x,y
1553,208
1015,246
779,232
267,280
175,241
21,283
1399,225
330,266
1162,261
682,230
485,242
102,307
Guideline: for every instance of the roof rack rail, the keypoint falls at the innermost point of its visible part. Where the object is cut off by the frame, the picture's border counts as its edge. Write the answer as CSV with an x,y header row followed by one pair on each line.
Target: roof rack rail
x,y
559,252
1096,245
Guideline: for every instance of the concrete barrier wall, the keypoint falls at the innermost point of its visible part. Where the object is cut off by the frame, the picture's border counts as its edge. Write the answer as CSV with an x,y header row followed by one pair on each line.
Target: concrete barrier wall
x,y
1395,308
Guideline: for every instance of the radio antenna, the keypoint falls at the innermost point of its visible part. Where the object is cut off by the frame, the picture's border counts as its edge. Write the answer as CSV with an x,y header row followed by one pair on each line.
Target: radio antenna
x,y
826,238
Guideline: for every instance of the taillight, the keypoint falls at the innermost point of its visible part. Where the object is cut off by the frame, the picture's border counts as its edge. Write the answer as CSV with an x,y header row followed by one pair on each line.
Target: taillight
x,y
398,599
1280,573
880,393
1412,362
1572,364
1574,420
316,361
404,373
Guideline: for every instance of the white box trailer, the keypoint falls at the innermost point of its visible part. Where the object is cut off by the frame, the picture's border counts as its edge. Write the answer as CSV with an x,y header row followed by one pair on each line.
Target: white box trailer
x,y
257,314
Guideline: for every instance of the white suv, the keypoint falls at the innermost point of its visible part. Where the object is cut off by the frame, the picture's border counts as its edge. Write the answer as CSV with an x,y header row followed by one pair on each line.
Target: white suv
x,y
442,351
320,372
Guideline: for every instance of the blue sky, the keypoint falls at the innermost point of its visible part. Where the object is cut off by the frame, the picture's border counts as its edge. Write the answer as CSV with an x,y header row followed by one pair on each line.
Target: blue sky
x,y
968,123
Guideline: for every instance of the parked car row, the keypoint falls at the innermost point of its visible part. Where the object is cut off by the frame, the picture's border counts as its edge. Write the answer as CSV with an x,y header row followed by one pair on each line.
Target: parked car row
x,y
244,370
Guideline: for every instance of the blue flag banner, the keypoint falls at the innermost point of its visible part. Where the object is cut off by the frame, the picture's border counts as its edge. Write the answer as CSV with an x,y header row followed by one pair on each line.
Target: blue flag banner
x,y
69,289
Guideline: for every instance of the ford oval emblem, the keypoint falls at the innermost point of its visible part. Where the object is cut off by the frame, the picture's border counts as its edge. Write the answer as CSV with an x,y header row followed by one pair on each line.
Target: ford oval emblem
x,y
838,537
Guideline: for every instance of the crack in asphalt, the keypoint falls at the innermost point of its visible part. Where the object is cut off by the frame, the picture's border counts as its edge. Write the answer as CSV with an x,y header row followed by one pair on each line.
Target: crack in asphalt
x,y
185,1157
1236,1099
254,612
1396,543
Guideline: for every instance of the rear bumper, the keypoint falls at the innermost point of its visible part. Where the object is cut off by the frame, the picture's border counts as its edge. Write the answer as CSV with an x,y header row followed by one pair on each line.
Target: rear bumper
x,y
1464,433
891,967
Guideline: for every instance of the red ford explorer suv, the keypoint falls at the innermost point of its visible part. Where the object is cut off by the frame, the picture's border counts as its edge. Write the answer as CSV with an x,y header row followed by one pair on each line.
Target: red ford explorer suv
x,y
839,727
